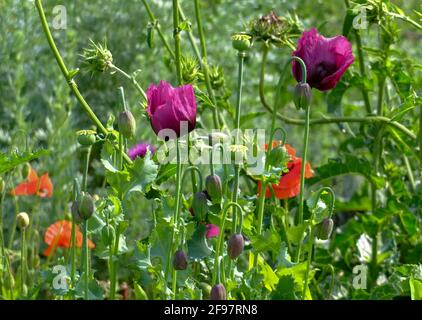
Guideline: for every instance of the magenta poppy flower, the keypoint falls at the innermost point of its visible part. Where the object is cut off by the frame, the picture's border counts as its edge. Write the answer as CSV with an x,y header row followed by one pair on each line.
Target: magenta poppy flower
x,y
212,230
326,59
169,107
140,150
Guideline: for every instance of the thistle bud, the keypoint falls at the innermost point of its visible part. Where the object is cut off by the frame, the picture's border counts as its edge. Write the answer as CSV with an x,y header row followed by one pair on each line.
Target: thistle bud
x,y
86,206
97,57
278,156
127,124
241,42
22,220
214,188
324,229
86,138
235,245
180,261
218,292
200,205
108,235
190,69
302,96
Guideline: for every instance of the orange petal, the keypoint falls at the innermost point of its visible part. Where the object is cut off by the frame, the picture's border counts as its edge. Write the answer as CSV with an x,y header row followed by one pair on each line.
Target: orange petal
x,y
25,189
32,175
46,186
49,251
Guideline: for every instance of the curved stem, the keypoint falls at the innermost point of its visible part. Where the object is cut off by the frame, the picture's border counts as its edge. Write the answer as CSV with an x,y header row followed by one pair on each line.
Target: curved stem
x,y
67,75
131,78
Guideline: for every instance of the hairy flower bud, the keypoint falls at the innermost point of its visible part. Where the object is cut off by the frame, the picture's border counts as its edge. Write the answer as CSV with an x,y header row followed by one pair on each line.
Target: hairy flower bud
x,y
324,229
22,220
214,188
86,138
200,205
278,156
180,261
235,245
190,69
97,58
108,235
86,206
127,124
241,42
302,96
218,292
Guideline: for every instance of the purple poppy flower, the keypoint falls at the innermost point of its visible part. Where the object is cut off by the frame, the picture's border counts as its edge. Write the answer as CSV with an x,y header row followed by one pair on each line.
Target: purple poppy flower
x,y
326,59
168,107
212,230
140,150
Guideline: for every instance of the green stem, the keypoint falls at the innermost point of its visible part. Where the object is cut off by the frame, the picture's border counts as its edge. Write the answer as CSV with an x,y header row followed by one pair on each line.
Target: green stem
x,y
23,260
157,26
131,78
308,262
176,35
85,259
114,252
73,235
409,173
72,84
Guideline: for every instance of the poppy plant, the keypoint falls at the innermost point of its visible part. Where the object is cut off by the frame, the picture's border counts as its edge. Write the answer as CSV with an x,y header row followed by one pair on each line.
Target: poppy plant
x,y
59,235
212,231
42,187
168,107
326,59
289,185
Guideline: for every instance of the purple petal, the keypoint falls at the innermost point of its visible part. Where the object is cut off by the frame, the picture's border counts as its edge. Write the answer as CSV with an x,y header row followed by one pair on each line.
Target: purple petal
x,y
212,230
140,150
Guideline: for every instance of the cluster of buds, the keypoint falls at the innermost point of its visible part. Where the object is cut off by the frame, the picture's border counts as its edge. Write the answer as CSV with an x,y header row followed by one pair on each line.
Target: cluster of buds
x,y
97,58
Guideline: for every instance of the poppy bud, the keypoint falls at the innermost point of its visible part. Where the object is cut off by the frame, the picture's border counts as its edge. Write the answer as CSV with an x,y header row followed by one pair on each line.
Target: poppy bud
x,y
302,96
235,245
241,42
86,206
214,188
277,156
200,206
324,229
108,235
218,292
22,220
2,184
127,124
180,261
75,212
206,290
25,170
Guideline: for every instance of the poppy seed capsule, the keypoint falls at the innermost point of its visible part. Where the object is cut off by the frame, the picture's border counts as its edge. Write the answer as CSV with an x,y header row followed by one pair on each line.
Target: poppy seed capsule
x,y
200,206
108,235
324,229
235,245
241,42
86,206
214,188
302,96
127,124
22,220
86,140
180,261
218,292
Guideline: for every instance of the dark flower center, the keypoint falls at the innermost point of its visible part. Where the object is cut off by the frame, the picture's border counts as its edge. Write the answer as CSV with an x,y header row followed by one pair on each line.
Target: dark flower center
x,y
322,70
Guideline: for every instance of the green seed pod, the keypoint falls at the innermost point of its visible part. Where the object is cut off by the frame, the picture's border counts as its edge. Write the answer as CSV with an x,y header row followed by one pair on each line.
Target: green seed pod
x,y
200,205
218,292
324,229
108,235
22,219
235,245
302,96
241,42
278,156
180,261
86,138
127,124
86,206
214,188
206,290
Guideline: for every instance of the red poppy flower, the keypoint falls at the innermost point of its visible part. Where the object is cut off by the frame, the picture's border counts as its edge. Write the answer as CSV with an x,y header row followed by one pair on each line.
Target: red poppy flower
x,y
289,185
42,187
59,235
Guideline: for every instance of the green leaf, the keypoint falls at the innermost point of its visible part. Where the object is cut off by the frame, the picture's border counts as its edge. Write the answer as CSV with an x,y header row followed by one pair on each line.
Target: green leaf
x,y
415,288
285,289
269,240
294,233
143,172
197,246
13,159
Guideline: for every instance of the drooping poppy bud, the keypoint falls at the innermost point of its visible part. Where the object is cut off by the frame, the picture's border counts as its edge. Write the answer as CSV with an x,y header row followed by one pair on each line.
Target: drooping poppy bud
x,y
2,185
22,220
324,229
302,96
235,245
127,124
75,212
200,205
218,292
278,156
26,169
108,235
180,261
86,206
241,42
86,138
214,188
206,290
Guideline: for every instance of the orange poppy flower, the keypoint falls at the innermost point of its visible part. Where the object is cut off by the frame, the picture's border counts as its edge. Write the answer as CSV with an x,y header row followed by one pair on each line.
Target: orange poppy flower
x,y
42,187
289,185
59,235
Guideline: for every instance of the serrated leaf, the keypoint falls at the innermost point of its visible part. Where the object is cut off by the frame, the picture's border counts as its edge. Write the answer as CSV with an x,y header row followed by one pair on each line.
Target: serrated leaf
x,y
13,159
197,246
